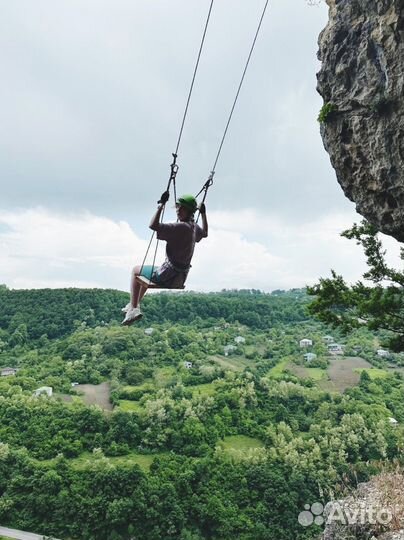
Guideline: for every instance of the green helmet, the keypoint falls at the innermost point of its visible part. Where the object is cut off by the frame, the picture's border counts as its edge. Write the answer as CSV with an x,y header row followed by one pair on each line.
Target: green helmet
x,y
188,202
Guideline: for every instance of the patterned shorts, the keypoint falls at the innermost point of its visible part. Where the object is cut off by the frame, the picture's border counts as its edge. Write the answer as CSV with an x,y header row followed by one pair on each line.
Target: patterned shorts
x,y
164,275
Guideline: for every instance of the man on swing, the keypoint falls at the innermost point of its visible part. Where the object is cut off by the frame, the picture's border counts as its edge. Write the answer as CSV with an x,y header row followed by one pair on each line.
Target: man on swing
x,y
181,237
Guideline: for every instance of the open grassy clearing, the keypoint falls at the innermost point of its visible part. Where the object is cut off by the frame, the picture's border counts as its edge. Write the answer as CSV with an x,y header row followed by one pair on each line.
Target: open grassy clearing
x,y
374,373
240,442
343,373
127,405
233,363
240,447
148,384
278,370
87,459
316,374
207,389
96,394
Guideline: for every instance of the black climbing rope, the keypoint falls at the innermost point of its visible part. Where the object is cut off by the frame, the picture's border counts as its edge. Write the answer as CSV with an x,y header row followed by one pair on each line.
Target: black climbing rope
x,y
194,76
240,85
174,166
209,182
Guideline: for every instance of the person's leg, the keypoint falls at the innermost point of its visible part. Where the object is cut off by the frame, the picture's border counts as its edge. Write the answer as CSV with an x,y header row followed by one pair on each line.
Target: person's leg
x,y
142,292
136,290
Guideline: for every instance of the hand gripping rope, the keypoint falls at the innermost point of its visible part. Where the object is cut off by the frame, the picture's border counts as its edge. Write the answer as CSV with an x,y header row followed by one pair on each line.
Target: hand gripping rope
x,y
174,167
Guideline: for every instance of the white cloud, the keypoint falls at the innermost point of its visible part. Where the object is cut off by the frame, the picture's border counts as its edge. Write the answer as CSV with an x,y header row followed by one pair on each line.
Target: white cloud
x,y
40,248
95,93
90,110
227,260
258,251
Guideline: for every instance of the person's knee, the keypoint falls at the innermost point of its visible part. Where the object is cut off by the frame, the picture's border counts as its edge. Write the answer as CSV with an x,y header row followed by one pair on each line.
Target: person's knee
x,y
136,271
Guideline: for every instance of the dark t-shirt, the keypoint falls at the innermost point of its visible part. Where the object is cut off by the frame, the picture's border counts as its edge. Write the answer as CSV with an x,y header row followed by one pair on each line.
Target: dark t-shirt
x,y
180,238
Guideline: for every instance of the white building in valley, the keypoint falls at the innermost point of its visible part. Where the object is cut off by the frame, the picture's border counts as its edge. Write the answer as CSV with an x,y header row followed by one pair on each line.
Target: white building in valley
x,y
309,357
7,371
44,391
229,349
335,348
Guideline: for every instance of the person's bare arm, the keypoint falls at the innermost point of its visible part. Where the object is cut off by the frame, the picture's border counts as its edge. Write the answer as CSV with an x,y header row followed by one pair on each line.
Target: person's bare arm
x,y
202,210
154,223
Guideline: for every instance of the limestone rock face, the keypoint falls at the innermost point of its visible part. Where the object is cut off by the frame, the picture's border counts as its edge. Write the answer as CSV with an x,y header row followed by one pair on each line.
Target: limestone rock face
x,y
362,77
374,511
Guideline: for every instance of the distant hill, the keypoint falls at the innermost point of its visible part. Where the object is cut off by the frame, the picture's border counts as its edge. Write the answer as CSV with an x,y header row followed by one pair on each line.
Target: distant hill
x,y
56,312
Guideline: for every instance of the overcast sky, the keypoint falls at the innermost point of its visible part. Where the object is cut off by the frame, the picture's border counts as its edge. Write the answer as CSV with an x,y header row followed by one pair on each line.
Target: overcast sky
x,y
91,101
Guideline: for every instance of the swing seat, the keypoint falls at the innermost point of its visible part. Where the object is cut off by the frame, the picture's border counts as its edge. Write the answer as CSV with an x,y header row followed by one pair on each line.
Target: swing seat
x,y
144,282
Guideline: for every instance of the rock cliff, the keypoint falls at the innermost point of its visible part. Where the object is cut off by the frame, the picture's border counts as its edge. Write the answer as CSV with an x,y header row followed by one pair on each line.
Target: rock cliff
x,y
362,80
374,511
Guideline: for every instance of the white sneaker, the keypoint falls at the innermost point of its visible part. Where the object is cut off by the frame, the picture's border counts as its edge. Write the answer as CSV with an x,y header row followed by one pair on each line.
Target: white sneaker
x,y
126,308
132,315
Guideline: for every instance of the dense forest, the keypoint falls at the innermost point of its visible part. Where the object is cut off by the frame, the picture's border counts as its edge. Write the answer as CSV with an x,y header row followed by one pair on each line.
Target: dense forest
x,y
57,312
207,420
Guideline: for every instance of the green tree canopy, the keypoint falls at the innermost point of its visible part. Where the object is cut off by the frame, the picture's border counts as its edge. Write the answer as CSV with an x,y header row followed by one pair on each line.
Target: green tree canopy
x,y
379,304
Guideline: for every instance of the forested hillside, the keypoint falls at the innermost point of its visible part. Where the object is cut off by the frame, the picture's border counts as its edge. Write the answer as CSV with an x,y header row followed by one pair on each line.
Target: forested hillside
x,y
56,312
206,421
